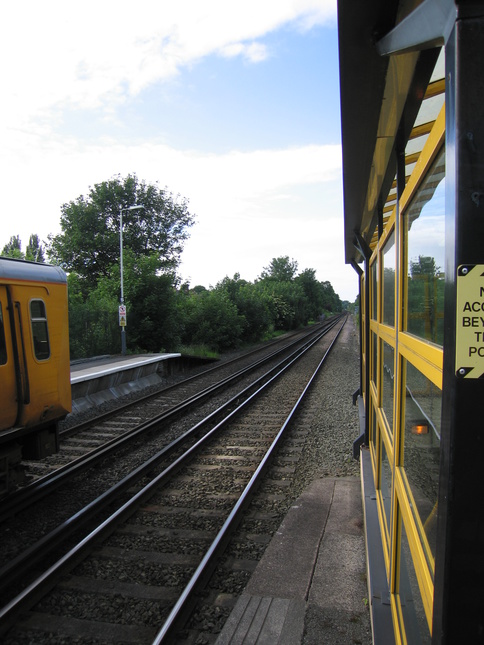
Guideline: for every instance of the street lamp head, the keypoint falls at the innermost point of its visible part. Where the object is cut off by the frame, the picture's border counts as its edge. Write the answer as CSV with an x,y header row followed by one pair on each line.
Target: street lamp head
x,y
132,208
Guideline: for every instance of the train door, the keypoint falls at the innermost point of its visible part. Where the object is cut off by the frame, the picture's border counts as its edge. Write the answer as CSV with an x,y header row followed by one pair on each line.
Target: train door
x,y
8,376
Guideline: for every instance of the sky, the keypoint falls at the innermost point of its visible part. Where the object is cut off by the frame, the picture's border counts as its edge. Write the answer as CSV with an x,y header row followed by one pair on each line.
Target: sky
x,y
232,105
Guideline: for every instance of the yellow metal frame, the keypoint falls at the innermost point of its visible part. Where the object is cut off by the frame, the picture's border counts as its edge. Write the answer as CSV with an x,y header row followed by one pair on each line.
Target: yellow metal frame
x,y
428,359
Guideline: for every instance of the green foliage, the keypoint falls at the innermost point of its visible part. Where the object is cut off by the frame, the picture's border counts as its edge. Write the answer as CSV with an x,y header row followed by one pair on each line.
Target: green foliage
x,y
199,351
153,314
425,265
280,270
93,325
210,318
162,317
252,305
151,302
279,301
313,293
13,249
161,314
425,288
89,250
282,301
90,238
294,300
33,253
331,300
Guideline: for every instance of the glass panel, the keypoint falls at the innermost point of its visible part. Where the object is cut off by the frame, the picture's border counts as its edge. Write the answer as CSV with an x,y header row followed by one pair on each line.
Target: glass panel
x,y
373,428
388,382
424,243
3,345
413,612
374,353
386,484
37,309
389,265
374,289
421,458
40,334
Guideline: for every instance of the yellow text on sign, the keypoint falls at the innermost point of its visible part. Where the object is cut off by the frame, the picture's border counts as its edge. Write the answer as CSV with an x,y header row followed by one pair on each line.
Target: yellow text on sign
x,y
469,347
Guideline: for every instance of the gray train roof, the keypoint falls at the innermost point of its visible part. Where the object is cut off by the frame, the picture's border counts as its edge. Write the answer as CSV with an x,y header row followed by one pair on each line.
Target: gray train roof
x,y
11,269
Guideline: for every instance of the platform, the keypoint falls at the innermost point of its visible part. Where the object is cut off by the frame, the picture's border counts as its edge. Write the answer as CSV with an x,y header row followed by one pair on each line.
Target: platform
x,y
108,377
311,582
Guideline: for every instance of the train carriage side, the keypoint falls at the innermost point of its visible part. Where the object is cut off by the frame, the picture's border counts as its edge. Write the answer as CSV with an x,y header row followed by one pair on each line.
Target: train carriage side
x,y
412,111
34,363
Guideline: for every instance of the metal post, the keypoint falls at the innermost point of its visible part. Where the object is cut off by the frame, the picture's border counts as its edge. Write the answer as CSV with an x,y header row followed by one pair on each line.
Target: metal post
x,y
123,328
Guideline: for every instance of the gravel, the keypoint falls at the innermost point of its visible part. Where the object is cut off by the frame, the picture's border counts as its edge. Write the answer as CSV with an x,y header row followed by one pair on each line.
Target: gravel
x,y
319,445
331,417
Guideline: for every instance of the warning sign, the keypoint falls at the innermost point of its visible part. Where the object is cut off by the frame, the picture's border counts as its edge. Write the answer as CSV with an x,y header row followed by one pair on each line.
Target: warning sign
x,y
469,342
122,315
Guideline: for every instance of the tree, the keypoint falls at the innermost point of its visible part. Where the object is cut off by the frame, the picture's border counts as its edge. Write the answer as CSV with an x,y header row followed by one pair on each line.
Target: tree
x,y
425,297
211,319
425,265
89,242
331,300
252,305
313,292
295,300
153,322
281,269
34,251
13,249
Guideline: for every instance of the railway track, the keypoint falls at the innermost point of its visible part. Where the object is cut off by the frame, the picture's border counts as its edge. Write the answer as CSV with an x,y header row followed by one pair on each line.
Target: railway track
x,y
186,502
87,443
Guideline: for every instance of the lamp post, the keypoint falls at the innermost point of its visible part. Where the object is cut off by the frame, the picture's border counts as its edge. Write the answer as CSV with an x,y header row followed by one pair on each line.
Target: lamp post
x,y
122,309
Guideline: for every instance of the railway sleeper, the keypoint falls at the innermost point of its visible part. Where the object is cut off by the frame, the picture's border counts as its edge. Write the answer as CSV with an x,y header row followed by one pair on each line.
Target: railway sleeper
x,y
12,471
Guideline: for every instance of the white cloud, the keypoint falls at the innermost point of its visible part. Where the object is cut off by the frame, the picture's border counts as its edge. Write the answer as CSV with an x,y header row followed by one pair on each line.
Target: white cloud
x,y
252,52
96,53
249,207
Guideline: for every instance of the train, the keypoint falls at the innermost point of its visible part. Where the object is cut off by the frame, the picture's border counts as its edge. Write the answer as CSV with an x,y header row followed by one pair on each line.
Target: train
x,y
35,392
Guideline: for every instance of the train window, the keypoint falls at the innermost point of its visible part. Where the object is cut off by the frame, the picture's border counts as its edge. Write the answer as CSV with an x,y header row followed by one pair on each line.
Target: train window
x,y
388,383
421,457
374,289
3,344
389,266
386,477
374,362
40,334
411,603
373,430
424,245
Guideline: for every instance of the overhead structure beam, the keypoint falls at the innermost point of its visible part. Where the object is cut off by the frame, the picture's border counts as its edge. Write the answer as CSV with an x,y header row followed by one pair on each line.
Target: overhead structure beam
x,y
371,81
428,26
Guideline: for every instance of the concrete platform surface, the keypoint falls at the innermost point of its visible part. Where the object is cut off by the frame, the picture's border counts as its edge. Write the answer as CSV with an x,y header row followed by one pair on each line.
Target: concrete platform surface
x,y
88,370
96,381
310,586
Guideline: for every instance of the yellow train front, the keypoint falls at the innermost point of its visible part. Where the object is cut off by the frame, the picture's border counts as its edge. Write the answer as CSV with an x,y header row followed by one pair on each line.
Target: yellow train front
x,y
35,392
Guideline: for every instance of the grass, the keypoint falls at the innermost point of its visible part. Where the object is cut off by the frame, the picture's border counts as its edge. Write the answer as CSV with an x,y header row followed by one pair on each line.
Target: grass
x,y
199,351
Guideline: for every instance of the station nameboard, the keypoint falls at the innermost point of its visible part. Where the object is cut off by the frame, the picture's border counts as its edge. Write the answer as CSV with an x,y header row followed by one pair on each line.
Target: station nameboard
x,y
469,342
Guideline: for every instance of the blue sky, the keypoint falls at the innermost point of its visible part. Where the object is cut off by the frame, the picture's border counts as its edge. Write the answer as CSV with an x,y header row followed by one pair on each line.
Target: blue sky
x,y
234,106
